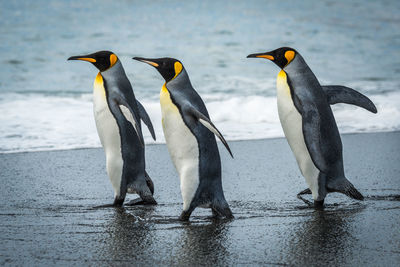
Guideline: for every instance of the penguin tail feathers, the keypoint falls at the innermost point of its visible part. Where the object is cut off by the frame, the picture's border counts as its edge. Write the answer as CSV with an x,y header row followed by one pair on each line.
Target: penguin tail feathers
x,y
149,182
221,208
344,186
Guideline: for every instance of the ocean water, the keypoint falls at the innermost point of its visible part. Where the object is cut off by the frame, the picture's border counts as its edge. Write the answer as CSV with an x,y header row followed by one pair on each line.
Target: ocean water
x,y
46,101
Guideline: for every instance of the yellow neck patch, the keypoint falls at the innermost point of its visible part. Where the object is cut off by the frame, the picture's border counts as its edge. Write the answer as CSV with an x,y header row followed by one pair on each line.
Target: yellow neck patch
x,y
164,88
282,75
113,60
99,79
178,68
98,84
289,55
166,102
281,82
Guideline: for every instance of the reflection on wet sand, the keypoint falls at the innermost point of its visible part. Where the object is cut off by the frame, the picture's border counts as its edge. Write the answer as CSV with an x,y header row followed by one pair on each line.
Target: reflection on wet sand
x,y
325,237
203,243
128,234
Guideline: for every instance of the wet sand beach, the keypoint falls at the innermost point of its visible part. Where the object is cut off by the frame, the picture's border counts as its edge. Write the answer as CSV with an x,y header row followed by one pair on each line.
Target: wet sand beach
x,y
46,215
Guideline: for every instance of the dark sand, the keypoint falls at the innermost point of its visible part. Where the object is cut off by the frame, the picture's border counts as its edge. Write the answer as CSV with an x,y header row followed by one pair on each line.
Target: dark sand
x,y
46,216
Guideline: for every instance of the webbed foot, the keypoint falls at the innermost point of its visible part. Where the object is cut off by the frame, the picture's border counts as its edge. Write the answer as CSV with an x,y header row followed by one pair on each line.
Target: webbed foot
x,y
118,201
185,215
306,191
140,201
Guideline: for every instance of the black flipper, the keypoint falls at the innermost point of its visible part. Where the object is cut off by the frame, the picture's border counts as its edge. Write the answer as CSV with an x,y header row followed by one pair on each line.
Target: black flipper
x,y
342,94
342,185
207,123
146,119
312,137
119,100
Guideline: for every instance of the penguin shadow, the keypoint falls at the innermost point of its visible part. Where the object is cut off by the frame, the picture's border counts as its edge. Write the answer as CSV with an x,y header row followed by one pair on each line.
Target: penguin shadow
x,y
203,243
391,197
127,233
168,214
293,208
244,210
325,237
339,203
384,202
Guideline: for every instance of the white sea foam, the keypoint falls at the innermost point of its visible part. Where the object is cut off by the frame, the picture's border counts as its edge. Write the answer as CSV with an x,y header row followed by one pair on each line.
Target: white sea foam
x,y
35,122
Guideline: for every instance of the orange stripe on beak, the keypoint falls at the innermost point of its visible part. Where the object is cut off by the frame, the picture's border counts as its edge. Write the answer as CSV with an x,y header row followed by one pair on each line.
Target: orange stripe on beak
x,y
266,56
150,63
87,59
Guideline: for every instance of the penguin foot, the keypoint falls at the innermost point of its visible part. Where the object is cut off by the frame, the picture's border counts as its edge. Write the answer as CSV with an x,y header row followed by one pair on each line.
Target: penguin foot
x,y
134,202
108,206
185,215
118,201
224,213
140,201
305,192
215,214
319,204
309,203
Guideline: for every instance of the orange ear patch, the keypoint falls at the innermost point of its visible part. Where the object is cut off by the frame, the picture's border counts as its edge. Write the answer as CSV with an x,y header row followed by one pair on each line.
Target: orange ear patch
x,y
178,68
113,60
289,55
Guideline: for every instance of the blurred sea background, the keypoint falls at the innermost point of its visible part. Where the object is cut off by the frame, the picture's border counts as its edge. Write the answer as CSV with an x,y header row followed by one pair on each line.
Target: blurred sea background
x,y
46,101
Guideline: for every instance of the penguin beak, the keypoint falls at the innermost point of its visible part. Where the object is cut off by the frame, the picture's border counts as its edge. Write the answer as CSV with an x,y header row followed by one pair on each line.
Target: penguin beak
x,y
147,60
262,55
84,58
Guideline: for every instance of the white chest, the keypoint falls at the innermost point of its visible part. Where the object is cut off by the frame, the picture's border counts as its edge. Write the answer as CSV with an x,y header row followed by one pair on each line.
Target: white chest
x,y
291,122
108,132
182,146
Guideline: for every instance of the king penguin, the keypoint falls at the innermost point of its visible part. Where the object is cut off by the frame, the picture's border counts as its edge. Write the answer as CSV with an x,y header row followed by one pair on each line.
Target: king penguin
x,y
309,125
189,134
117,115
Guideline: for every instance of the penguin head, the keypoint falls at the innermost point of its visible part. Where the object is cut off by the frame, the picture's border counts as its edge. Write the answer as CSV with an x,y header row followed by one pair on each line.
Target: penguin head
x,y
103,60
169,68
281,56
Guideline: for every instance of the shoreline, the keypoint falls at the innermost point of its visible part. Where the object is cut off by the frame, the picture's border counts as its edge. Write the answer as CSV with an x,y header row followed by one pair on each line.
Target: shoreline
x,y
218,141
